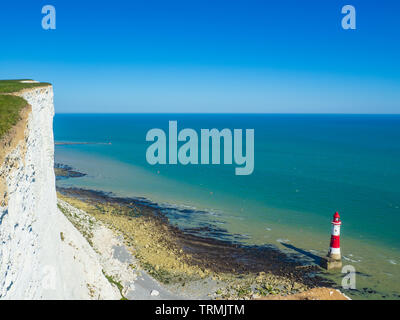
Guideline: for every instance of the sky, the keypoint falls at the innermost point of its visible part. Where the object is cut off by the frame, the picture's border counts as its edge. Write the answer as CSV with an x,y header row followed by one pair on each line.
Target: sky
x,y
286,56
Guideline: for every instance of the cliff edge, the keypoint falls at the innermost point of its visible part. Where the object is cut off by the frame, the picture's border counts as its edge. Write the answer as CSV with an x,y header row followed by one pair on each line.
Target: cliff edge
x,y
42,256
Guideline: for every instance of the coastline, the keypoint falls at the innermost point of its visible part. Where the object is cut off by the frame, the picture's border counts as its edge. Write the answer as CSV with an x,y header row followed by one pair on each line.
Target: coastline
x,y
118,264
194,266
376,262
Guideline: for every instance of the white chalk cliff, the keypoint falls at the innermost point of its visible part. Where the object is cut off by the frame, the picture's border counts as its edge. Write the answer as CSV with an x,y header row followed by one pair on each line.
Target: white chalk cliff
x,y
42,256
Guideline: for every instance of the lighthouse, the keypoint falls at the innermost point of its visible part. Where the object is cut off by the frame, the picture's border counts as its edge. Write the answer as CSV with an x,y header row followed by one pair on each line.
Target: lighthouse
x,y
334,250
334,259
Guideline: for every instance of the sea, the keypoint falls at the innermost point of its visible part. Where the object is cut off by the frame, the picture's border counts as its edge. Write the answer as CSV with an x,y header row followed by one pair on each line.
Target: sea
x,y
306,167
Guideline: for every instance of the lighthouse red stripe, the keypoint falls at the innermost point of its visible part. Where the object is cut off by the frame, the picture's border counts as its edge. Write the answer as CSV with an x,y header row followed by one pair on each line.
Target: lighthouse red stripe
x,y
335,241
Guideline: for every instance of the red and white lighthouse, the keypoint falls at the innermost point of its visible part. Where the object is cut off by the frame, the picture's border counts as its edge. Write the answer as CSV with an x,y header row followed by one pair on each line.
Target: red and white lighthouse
x,y
334,250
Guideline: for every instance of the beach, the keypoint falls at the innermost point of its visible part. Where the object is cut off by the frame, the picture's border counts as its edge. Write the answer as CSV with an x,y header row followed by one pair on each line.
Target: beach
x,y
186,266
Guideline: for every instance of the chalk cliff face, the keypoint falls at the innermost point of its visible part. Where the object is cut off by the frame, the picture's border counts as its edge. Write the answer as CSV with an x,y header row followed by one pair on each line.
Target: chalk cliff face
x,y
42,256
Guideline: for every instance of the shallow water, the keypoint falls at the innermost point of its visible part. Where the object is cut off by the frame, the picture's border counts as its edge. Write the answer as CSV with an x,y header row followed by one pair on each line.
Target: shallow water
x,y
306,167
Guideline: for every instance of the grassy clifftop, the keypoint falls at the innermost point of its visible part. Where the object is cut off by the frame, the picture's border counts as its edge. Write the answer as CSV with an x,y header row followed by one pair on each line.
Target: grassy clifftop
x,y
10,108
10,105
9,86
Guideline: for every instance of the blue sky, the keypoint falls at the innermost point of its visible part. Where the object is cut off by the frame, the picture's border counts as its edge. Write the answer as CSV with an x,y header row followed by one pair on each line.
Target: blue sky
x,y
208,56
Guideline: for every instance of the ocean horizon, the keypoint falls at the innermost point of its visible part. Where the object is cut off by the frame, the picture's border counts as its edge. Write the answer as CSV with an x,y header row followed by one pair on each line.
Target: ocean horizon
x,y
307,166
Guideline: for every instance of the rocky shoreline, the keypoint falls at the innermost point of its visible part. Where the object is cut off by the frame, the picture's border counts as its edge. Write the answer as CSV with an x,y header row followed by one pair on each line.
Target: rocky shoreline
x,y
64,172
194,265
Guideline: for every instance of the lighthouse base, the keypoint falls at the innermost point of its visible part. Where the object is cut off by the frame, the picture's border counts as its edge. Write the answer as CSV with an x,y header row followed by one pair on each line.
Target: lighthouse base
x,y
329,263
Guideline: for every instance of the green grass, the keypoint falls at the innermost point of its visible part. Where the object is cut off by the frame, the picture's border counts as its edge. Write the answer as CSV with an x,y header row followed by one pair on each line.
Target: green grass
x,y
116,283
8,86
10,106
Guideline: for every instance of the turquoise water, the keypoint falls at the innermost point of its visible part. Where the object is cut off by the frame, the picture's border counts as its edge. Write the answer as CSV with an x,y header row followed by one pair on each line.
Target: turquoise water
x,y
306,167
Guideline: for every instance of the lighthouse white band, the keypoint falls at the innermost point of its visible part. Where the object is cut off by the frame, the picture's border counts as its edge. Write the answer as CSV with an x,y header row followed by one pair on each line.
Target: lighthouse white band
x,y
335,230
335,250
